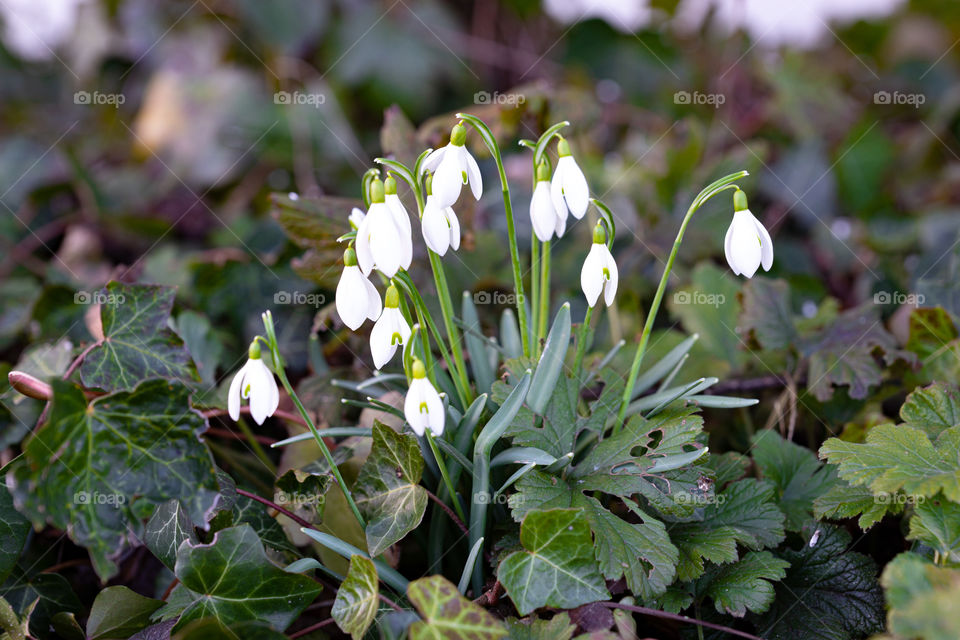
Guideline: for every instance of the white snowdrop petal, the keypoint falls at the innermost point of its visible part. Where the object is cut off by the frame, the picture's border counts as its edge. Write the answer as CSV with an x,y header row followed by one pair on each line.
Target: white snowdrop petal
x,y
473,174
411,408
435,417
556,191
591,275
432,161
351,299
362,247
380,340
610,287
260,399
575,189
233,395
447,180
745,244
373,303
728,249
454,228
436,233
766,245
543,216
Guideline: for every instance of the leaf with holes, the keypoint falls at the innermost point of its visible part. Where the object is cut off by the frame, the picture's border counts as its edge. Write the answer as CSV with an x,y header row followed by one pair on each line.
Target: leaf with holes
x,y
137,344
97,470
447,615
232,580
387,490
357,598
556,567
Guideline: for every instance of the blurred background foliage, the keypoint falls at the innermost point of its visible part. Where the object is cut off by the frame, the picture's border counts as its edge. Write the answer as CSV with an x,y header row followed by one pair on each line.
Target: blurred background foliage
x,y
158,142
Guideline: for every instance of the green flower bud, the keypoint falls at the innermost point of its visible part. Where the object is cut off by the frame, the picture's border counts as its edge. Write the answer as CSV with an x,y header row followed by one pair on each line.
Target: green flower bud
x,y
254,350
349,257
419,371
563,148
390,186
599,234
376,190
543,172
392,298
739,201
458,135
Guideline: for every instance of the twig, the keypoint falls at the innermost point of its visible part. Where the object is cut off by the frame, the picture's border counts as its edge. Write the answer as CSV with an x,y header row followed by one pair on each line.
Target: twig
x,y
308,630
65,565
83,354
166,594
679,618
300,521
447,510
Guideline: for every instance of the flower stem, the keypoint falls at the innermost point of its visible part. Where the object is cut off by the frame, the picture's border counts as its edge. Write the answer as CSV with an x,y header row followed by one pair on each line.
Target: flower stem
x,y
720,185
453,335
544,294
582,341
534,279
446,476
281,373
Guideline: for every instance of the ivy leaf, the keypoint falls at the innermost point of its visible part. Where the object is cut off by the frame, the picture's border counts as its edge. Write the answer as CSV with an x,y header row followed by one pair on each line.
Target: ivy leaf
x,y
797,476
232,580
302,493
828,592
844,353
745,512
14,529
558,627
845,501
137,344
166,529
447,615
239,509
97,470
922,598
40,598
743,585
387,490
897,458
936,523
357,598
118,612
556,567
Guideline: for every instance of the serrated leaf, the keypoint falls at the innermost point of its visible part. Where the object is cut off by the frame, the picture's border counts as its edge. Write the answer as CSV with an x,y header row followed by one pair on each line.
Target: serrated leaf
x,y
745,513
357,598
901,457
232,580
166,529
447,615
743,585
558,627
828,592
932,409
844,353
137,344
845,501
387,490
922,599
118,613
97,470
934,338
936,523
556,567
798,477
14,529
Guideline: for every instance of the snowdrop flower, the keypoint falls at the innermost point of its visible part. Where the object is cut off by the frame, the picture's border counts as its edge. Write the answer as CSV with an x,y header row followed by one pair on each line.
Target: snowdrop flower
x,y
599,272
453,167
440,226
568,189
389,331
747,245
357,298
543,215
400,218
356,217
423,407
255,382
379,240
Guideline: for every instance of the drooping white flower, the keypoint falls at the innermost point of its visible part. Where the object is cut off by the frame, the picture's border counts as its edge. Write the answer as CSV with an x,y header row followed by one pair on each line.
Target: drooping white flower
x,y
254,382
357,298
599,272
569,188
544,217
379,239
390,330
400,218
440,226
452,167
356,217
423,407
747,245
